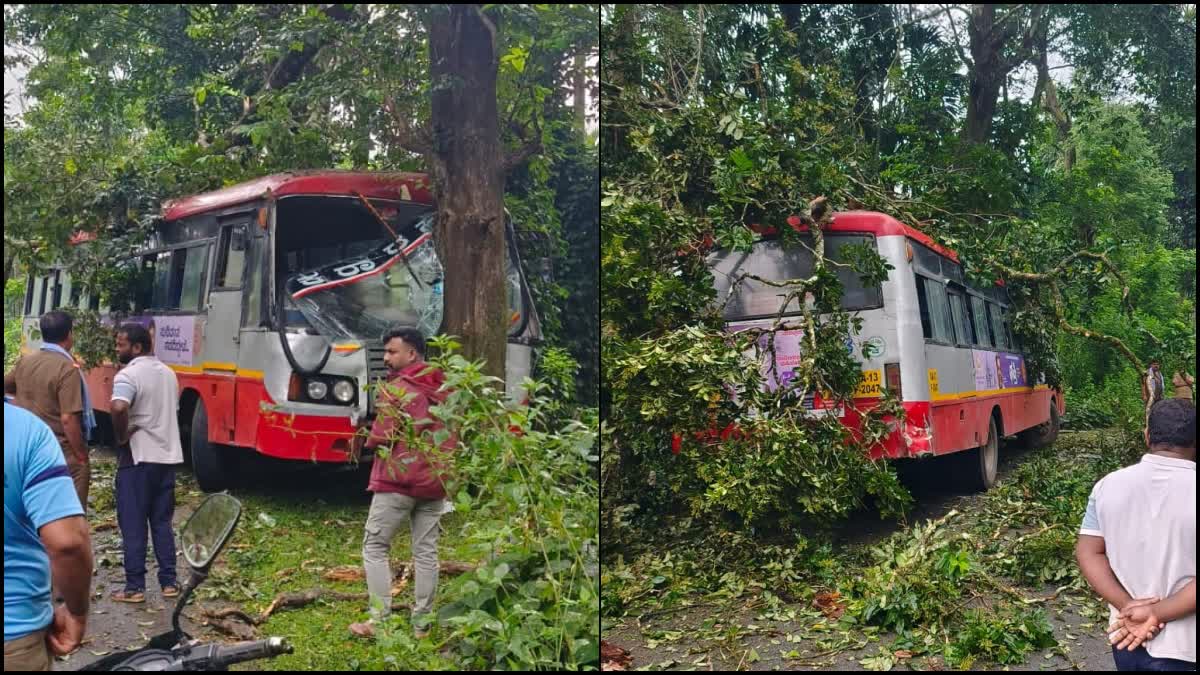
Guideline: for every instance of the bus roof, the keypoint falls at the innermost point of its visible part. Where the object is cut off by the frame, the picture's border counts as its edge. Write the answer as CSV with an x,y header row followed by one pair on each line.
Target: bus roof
x,y
406,186
879,224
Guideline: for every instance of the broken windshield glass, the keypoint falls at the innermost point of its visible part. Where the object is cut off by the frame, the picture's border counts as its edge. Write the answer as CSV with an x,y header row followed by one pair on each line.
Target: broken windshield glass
x,y
359,298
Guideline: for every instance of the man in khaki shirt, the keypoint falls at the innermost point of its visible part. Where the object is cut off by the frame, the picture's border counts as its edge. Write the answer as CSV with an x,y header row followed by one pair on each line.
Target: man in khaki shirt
x,y
50,384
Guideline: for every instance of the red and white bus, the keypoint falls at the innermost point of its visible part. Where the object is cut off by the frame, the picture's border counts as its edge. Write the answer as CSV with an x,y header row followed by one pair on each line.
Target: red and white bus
x,y
269,298
941,345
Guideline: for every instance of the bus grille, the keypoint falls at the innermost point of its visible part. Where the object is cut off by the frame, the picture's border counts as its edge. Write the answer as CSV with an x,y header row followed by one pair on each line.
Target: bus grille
x,y
375,372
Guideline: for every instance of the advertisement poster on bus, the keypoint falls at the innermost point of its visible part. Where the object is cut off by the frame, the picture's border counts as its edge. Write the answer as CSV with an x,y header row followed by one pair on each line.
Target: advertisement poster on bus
x,y
1012,371
986,370
787,354
175,339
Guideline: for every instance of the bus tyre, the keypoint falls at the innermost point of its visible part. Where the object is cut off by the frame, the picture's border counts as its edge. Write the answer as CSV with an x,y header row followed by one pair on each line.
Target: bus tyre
x,y
1043,434
208,459
982,461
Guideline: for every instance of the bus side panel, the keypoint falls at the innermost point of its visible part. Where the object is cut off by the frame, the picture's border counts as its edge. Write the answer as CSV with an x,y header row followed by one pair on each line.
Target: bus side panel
x,y
1030,410
960,425
100,384
964,424
250,393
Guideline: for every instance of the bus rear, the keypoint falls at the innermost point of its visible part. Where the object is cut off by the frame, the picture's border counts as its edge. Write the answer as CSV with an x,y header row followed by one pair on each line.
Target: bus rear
x,y
926,336
880,344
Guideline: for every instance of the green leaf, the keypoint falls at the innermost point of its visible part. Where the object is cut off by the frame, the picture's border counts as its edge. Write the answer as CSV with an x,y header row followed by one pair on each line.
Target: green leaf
x,y
741,160
515,58
201,95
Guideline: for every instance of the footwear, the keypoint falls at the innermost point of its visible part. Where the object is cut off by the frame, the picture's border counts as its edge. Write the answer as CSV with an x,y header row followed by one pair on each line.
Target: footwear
x,y
365,629
420,633
128,596
170,591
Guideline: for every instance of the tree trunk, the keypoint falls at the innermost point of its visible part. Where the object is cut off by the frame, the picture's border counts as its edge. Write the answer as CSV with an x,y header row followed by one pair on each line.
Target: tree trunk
x,y
991,65
468,179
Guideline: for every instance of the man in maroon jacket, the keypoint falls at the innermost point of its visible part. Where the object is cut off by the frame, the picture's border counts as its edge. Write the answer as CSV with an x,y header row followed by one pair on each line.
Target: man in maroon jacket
x,y
407,482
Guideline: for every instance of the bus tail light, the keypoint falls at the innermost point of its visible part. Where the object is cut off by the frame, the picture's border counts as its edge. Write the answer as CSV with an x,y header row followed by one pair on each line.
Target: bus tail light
x,y
891,373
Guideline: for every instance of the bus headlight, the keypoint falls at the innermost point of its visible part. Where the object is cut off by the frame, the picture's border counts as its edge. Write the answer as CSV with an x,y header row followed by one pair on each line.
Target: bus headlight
x,y
343,391
317,390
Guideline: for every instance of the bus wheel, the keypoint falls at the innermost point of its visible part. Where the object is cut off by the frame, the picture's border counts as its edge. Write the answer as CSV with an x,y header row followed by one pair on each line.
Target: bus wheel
x,y
208,459
1043,434
982,461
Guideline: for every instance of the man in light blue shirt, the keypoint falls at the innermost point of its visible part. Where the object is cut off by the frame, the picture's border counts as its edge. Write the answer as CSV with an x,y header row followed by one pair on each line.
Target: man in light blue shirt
x,y
45,536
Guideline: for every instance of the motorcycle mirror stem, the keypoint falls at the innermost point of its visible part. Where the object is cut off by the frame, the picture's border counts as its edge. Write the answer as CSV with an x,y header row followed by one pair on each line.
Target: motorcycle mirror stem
x,y
197,577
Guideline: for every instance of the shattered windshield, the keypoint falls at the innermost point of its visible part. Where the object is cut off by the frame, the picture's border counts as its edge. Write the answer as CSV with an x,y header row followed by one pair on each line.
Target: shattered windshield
x,y
388,284
360,297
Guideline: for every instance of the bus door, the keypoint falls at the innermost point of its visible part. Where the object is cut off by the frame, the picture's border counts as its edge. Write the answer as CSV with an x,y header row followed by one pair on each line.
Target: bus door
x,y
224,307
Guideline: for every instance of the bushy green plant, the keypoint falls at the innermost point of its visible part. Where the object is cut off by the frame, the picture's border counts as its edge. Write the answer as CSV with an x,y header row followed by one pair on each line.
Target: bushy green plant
x,y
531,513
1002,637
1044,557
14,296
914,576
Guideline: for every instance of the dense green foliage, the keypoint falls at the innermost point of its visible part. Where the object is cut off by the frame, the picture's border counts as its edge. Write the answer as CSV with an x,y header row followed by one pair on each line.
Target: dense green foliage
x,y
536,603
722,116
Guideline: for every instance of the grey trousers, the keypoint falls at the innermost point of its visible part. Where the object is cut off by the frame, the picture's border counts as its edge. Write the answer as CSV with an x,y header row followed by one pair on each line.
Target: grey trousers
x,y
390,510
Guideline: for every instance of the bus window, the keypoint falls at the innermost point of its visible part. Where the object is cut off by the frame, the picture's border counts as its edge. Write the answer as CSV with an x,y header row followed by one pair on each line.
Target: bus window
x,y
58,289
997,326
979,313
923,304
162,280
962,323
231,256
76,295
194,267
45,294
931,295
770,260
252,300
1012,343
29,283
926,260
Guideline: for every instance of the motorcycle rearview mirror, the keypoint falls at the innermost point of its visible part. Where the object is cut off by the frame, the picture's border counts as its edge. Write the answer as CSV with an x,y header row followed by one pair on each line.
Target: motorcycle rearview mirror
x,y
205,533
208,530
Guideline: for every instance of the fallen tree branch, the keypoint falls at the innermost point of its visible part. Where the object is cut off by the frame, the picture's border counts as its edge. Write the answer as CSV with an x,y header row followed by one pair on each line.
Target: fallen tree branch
x,y
1092,335
219,618
289,600
1051,279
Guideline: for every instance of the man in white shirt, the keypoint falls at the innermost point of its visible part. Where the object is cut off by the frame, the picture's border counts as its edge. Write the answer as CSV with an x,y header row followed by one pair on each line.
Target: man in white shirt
x,y
144,404
1138,540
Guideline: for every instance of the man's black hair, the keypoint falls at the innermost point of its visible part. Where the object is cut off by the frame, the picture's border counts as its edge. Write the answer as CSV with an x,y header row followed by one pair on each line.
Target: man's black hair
x,y
56,326
137,335
1173,422
411,336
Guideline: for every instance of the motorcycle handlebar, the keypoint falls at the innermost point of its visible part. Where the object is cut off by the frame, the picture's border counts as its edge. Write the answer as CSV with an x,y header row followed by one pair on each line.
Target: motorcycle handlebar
x,y
221,656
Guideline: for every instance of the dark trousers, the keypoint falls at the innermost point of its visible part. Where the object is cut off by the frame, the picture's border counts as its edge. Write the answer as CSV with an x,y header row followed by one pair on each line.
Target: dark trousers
x,y
1140,659
146,494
